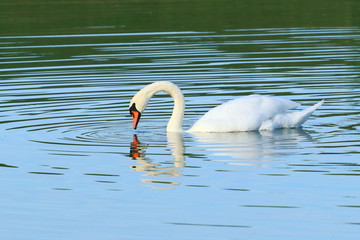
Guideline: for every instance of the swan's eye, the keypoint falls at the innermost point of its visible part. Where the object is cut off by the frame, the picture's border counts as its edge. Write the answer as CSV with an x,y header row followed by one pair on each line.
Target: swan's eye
x,y
132,109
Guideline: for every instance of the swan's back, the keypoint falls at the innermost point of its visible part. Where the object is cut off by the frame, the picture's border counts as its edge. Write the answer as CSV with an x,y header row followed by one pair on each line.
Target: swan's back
x,y
242,114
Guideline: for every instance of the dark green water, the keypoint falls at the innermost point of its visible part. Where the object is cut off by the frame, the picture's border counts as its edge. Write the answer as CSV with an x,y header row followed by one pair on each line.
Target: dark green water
x,y
72,168
21,17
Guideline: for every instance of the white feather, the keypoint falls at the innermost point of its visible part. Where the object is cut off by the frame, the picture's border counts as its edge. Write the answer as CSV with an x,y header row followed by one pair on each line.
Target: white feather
x,y
250,113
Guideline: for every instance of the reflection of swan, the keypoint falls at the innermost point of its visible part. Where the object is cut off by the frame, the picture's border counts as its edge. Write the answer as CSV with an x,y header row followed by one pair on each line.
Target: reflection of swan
x,y
254,112
154,169
251,145
238,148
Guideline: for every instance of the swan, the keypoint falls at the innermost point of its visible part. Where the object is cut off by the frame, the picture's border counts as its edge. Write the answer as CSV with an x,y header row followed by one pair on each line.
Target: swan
x,y
249,113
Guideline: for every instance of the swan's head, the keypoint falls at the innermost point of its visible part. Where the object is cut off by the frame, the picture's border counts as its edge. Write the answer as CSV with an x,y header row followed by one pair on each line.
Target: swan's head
x,y
141,99
138,104
136,114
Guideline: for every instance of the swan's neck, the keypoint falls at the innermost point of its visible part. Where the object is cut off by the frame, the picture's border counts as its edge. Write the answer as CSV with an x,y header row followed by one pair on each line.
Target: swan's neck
x,y
176,119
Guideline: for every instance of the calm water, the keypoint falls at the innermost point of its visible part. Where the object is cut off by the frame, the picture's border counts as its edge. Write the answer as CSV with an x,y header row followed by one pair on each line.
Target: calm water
x,y
73,168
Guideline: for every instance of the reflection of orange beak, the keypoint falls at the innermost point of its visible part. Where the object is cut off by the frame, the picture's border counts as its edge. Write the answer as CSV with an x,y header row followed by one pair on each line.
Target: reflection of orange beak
x,y
136,117
135,151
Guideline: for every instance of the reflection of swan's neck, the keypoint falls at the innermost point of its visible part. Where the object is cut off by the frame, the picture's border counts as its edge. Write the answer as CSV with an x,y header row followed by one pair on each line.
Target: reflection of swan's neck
x,y
176,143
176,119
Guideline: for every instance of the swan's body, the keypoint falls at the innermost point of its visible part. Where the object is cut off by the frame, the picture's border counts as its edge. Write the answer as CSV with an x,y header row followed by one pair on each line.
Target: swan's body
x,y
250,113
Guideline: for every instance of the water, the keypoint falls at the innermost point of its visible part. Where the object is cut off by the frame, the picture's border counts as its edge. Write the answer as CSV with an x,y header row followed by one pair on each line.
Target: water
x,y
73,168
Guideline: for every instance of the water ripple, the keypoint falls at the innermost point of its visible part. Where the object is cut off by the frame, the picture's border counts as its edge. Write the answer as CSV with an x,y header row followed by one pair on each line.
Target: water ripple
x,y
76,92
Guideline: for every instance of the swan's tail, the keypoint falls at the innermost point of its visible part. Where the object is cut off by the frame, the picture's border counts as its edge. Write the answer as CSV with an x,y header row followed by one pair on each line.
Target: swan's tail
x,y
301,116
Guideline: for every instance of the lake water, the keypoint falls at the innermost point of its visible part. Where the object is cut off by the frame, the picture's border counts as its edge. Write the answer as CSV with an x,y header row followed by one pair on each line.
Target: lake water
x,y
73,168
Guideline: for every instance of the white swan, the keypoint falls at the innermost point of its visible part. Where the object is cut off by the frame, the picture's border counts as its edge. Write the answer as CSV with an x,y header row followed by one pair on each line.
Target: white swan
x,y
250,113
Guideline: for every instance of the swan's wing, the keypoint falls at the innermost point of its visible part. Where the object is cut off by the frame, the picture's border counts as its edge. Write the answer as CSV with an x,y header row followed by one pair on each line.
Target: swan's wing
x,y
290,120
242,114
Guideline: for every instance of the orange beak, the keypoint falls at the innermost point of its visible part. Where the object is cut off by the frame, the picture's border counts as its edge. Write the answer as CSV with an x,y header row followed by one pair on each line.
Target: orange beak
x,y
135,115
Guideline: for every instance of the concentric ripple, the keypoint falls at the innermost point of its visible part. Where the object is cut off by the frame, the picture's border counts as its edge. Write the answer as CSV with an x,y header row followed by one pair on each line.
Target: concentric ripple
x,y
76,93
